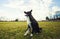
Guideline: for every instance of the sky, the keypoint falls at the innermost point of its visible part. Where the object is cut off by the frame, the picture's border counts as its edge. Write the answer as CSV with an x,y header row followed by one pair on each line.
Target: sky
x,y
13,9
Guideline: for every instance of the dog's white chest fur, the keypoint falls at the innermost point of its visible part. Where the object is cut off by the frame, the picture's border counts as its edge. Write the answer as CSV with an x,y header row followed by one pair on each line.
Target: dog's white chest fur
x,y
28,20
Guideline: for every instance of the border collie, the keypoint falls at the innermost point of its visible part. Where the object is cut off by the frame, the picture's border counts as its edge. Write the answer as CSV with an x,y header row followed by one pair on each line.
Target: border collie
x,y
33,26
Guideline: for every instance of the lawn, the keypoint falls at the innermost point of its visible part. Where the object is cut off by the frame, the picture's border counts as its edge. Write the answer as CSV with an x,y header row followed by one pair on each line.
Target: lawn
x,y
16,30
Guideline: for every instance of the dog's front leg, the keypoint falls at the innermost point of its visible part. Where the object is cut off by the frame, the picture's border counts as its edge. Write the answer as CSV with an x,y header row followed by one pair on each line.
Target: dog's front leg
x,y
31,30
26,32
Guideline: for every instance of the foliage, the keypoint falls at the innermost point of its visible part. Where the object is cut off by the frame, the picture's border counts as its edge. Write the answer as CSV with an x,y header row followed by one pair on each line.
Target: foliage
x,y
47,18
16,19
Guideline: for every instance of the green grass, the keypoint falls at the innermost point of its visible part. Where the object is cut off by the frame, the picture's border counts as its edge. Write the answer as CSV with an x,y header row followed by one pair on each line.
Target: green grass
x,y
16,30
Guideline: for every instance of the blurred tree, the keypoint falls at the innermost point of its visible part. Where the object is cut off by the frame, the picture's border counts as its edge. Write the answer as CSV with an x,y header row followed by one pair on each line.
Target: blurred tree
x,y
16,19
47,18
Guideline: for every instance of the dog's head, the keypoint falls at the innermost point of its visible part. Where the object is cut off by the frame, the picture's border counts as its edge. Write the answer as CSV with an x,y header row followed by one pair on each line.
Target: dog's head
x,y
28,13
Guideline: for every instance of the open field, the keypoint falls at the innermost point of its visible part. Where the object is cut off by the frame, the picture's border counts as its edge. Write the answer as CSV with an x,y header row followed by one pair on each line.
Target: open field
x,y
15,30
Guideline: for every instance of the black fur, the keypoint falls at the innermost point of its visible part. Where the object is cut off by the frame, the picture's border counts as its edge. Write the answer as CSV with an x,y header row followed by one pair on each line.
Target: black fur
x,y
34,23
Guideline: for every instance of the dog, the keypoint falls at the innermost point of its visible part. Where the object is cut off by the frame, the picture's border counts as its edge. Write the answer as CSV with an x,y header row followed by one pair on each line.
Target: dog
x,y
33,26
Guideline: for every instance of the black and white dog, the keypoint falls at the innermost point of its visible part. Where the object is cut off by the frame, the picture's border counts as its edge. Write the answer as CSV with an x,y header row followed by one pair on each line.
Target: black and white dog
x,y
33,26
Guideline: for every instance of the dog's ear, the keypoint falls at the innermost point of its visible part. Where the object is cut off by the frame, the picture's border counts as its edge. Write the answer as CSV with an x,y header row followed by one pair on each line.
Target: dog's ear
x,y
24,12
31,11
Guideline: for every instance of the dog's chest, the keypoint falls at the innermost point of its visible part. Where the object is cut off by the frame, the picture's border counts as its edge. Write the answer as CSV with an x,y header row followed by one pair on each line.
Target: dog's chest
x,y
28,20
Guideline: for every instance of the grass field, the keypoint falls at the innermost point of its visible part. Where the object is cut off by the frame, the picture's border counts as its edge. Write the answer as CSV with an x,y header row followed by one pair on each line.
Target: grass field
x,y
15,30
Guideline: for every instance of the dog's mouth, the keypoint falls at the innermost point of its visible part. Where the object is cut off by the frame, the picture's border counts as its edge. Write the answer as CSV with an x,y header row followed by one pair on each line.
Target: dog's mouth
x,y
26,15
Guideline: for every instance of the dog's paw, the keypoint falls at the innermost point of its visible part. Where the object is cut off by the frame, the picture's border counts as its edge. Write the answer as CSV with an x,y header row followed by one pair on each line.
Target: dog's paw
x,y
31,35
25,34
